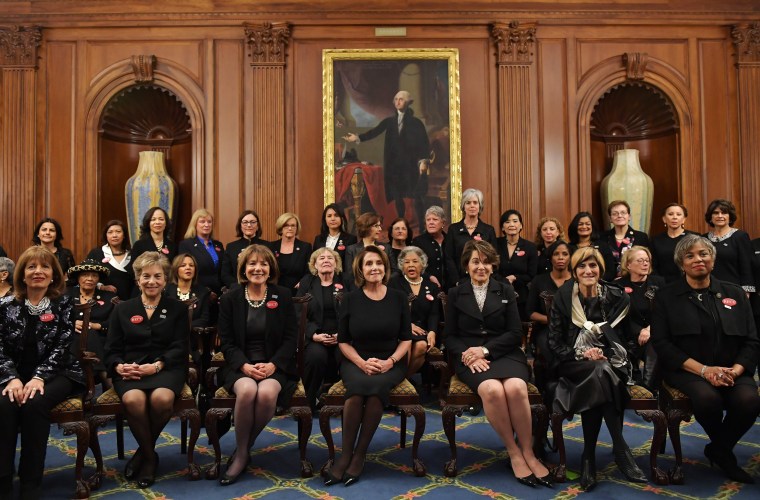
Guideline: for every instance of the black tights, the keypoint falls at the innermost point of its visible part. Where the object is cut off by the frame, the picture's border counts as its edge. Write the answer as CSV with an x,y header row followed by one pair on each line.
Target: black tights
x,y
591,421
147,413
361,416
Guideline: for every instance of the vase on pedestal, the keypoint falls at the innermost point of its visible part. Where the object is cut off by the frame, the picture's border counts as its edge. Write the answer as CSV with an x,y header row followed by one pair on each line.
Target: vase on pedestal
x,y
150,186
627,181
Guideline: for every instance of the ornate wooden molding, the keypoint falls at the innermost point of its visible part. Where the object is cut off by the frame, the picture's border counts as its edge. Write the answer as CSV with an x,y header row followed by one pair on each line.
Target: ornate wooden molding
x,y
746,38
514,42
142,66
18,46
267,42
635,65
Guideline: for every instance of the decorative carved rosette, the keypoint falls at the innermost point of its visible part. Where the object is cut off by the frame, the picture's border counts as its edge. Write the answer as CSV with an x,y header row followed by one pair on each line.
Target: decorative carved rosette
x,y
268,43
514,42
746,38
18,46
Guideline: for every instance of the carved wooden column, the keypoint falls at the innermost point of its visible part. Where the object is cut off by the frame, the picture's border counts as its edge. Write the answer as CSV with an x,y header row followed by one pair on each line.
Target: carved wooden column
x,y
267,43
18,179
746,39
514,43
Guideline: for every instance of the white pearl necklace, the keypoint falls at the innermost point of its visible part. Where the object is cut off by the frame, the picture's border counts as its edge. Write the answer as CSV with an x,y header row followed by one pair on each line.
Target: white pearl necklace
x,y
255,303
415,283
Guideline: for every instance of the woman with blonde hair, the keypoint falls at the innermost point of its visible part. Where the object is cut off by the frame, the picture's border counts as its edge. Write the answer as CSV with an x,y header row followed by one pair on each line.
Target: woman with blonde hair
x,y
208,252
291,253
548,232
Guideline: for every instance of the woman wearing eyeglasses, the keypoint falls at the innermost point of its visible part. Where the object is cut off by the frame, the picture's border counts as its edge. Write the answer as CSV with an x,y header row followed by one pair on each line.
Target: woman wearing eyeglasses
x,y
369,227
291,253
248,230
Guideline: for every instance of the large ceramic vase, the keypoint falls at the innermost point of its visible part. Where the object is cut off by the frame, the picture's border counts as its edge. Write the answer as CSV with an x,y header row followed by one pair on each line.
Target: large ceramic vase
x,y
627,181
150,186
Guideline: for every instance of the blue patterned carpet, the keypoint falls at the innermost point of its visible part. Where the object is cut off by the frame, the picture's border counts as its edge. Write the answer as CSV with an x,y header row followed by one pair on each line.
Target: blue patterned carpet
x,y
274,470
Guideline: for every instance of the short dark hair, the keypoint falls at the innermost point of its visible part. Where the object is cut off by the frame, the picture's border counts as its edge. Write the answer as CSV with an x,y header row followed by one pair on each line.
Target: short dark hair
x,y
669,205
615,203
506,215
365,222
116,222
58,232
145,224
481,247
261,250
359,278
553,248
239,224
409,232
725,206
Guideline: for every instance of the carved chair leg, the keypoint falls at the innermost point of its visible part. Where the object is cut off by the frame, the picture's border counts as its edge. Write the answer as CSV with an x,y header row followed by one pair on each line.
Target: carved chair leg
x,y
418,412
213,416
448,417
541,415
324,426
675,417
183,436
120,436
82,430
659,422
560,472
402,434
95,422
193,418
302,414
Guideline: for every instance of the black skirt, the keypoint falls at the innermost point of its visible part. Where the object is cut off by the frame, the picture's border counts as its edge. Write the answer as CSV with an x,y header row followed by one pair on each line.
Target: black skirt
x,y
173,379
288,384
586,384
359,383
500,369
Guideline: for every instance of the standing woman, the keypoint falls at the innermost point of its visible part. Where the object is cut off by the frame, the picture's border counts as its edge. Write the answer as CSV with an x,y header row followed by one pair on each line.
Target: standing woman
x,y
207,251
184,286
155,235
146,356
48,234
291,253
369,228
37,368
374,357
733,258
621,237
400,235
548,231
114,254
332,232
432,242
484,334
257,326
707,344
518,257
248,230
663,245
6,276
469,228
583,233
426,306
587,332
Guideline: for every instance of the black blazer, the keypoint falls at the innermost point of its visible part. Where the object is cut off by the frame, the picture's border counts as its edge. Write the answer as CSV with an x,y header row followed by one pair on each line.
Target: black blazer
x,y
300,258
133,338
124,281
230,258
201,308
497,327
426,307
281,329
610,266
633,236
522,264
146,244
54,334
313,285
676,326
344,241
436,255
456,239
209,275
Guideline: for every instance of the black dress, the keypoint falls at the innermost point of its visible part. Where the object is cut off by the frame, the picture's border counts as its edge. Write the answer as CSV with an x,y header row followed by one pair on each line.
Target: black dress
x,y
201,309
541,283
456,239
497,328
133,338
663,248
145,244
522,264
733,259
121,276
378,338
294,265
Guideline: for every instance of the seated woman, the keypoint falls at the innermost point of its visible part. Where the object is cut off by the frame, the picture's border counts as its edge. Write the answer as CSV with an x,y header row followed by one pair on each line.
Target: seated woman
x,y
374,357
548,231
184,286
484,335
259,345
146,355
426,306
48,234
332,233
6,276
641,286
321,353
369,227
155,235
518,257
86,276
37,369
587,332
291,253
248,231
200,243
705,338
114,254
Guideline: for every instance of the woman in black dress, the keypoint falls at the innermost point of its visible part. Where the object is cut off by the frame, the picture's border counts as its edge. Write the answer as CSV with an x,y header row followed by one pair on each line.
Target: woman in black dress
x,y
469,228
400,235
518,257
291,253
37,368
184,286
321,353
707,344
155,235
146,355
548,231
663,245
426,306
86,276
374,357
200,243
733,260
115,255
48,234
248,230
584,233
332,233
258,331
484,335
641,286
587,332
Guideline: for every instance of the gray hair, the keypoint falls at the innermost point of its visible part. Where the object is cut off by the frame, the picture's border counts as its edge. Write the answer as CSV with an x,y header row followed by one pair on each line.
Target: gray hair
x,y
407,250
469,193
686,244
7,264
436,211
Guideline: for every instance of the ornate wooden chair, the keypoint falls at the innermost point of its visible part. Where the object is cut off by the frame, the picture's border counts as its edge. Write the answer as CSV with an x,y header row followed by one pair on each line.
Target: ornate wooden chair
x,y
108,407
69,414
642,402
223,402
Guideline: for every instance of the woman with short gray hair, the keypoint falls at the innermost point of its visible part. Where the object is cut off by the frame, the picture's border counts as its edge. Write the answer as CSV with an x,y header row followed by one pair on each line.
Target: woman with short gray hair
x,y
6,276
469,228
433,242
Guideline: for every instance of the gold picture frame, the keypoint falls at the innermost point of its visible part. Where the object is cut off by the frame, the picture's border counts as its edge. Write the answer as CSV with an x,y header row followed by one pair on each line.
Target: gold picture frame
x,y
359,90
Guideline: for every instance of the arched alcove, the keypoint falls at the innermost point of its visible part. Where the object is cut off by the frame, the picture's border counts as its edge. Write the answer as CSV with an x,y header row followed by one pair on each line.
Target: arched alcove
x,y
139,118
636,115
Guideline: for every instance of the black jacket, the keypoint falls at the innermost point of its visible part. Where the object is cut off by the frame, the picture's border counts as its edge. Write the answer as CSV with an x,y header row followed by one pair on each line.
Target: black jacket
x,y
230,257
344,241
456,239
146,244
201,308
676,326
436,255
300,259
209,275
313,285
426,307
632,237
522,264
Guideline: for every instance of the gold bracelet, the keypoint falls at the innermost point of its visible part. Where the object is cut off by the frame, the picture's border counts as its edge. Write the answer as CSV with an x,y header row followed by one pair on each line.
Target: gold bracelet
x,y
393,359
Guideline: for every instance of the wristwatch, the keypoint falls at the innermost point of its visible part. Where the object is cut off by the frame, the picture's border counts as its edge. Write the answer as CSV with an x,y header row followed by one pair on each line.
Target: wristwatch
x,y
485,351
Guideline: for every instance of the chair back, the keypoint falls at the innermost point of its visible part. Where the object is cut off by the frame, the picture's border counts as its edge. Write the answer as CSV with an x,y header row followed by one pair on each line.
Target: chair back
x,y
86,358
303,302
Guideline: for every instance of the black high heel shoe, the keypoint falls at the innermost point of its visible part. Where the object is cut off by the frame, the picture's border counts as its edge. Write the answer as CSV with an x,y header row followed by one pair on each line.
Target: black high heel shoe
x,y
588,475
349,479
528,480
134,465
228,479
726,461
147,478
331,480
547,481
627,465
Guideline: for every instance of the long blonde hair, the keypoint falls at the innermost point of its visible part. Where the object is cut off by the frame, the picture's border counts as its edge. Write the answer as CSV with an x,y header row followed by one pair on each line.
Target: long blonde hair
x,y
201,212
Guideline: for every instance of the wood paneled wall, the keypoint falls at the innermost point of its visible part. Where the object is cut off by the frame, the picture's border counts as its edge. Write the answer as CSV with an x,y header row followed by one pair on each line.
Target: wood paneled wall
x,y
257,121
